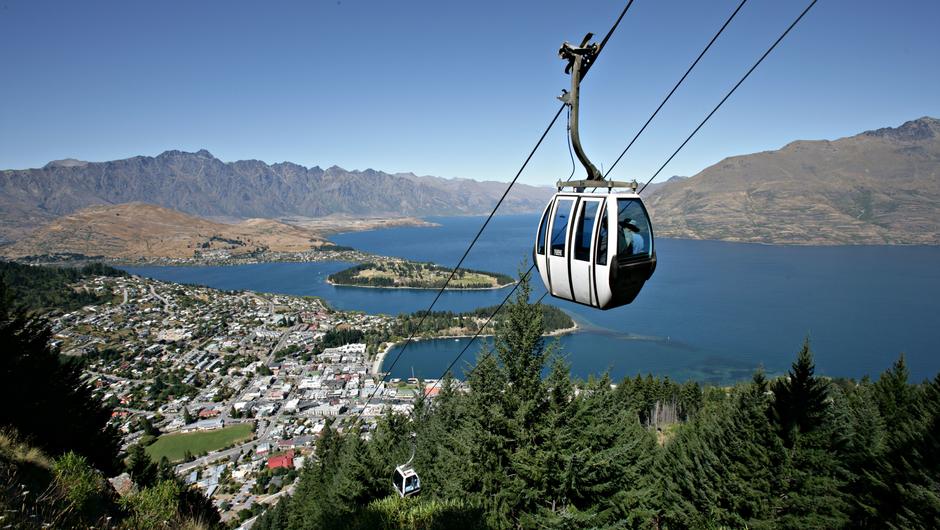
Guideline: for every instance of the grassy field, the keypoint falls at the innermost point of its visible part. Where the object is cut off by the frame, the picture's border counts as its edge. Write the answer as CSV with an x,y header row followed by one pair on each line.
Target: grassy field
x,y
174,446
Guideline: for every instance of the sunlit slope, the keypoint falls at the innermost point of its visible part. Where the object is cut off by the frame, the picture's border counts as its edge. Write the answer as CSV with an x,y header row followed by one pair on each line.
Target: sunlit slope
x,y
878,187
139,230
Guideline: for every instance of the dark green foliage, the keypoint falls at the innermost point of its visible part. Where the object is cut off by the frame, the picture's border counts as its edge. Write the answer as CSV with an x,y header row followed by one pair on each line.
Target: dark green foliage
x,y
813,476
720,469
38,288
338,337
46,399
799,399
904,485
411,274
140,466
515,450
553,319
54,411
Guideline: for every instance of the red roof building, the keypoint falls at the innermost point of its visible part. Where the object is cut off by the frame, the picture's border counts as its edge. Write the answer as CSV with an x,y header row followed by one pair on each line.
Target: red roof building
x,y
285,460
208,413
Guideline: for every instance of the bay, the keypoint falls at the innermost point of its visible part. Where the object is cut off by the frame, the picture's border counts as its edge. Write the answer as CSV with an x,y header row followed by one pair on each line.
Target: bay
x,y
713,311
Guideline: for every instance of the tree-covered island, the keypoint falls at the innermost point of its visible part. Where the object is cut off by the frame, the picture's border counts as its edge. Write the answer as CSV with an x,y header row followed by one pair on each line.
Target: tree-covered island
x,y
415,275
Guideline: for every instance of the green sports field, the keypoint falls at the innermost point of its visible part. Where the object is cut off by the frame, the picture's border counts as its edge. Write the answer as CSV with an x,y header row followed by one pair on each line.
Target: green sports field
x,y
174,446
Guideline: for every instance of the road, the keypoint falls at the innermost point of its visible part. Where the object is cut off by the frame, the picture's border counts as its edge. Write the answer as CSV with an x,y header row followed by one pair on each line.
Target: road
x,y
185,467
165,302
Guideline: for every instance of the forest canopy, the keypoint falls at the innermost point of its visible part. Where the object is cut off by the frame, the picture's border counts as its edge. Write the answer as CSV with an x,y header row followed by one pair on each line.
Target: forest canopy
x,y
511,449
40,288
416,275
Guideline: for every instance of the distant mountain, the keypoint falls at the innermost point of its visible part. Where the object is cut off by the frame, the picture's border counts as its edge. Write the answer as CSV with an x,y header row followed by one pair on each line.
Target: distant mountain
x,y
878,187
200,184
653,187
138,230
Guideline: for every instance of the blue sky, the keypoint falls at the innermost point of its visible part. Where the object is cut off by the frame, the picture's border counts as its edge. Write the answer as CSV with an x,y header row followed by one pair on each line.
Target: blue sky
x,y
454,89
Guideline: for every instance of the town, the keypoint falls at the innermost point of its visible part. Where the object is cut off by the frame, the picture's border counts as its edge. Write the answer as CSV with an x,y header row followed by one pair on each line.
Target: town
x,y
231,388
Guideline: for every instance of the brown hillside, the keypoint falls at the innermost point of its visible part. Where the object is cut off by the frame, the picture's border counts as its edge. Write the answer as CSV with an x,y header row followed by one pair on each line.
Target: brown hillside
x,y
140,230
878,187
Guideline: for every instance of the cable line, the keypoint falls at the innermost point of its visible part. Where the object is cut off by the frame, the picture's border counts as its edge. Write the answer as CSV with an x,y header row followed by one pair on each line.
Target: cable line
x,y
528,272
485,223
671,92
462,258
728,95
480,331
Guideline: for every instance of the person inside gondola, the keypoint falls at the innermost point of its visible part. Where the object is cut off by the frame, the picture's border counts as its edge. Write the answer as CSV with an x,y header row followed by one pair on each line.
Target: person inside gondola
x,y
629,239
411,484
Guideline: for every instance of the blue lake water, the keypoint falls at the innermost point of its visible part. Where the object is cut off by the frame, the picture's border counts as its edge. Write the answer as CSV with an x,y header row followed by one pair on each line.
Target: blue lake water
x,y
713,311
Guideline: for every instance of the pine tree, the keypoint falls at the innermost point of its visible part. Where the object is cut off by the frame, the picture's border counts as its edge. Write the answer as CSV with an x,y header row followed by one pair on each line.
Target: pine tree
x,y
141,467
441,453
904,489
47,400
799,399
896,400
812,474
862,441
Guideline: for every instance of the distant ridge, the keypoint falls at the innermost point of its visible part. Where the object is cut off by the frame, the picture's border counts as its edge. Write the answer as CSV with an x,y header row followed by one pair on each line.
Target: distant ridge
x,y
201,184
66,162
877,187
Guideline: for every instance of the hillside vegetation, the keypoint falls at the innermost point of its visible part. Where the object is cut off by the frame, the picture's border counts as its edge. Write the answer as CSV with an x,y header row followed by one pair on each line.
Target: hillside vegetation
x,y
519,451
414,275
57,446
45,288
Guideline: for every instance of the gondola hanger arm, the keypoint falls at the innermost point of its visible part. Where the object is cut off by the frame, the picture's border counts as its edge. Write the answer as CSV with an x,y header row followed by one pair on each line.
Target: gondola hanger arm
x,y
580,58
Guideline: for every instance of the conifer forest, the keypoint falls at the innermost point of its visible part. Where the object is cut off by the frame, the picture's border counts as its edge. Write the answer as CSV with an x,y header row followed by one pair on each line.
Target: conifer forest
x,y
512,449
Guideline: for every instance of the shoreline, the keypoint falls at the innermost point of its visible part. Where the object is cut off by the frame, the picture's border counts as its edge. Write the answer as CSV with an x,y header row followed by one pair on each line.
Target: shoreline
x,y
380,356
380,359
334,284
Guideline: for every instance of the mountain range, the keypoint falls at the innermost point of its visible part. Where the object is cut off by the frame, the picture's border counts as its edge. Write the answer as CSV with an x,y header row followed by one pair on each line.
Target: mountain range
x,y
877,187
202,185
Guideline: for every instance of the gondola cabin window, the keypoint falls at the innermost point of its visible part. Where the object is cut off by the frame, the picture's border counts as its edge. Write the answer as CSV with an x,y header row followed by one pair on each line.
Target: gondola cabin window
x,y
399,480
601,258
560,226
584,230
633,230
411,484
540,242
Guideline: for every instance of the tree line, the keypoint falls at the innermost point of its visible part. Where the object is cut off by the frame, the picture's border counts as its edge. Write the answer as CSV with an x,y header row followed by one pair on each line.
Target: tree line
x,y
515,450
411,274
43,288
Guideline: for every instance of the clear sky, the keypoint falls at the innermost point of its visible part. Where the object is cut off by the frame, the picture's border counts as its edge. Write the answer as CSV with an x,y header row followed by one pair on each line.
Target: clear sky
x,y
454,89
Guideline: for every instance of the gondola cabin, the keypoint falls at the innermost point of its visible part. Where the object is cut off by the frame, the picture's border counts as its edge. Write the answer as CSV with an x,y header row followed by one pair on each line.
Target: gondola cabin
x,y
595,248
406,481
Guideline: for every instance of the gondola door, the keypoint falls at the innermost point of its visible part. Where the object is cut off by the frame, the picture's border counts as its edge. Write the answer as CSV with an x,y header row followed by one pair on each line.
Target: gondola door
x,y
557,255
580,251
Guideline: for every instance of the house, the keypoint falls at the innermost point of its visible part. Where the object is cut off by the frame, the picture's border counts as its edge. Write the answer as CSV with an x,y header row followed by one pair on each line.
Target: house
x,y
208,413
285,460
204,425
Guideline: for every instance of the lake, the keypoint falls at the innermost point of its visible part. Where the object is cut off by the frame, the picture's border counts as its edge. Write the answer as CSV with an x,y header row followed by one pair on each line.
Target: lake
x,y
713,311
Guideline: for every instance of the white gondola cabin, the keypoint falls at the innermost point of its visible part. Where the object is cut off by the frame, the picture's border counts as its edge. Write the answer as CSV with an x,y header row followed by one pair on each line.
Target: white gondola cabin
x,y
406,480
597,248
